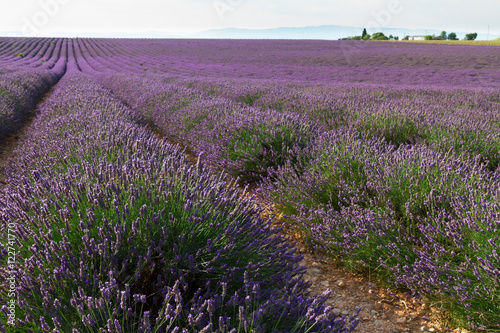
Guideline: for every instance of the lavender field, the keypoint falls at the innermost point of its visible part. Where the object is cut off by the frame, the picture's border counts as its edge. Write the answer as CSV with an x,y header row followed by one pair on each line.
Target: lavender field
x,y
384,156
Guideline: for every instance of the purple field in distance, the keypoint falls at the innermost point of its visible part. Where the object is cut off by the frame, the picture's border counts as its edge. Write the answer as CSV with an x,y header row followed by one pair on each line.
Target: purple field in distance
x,y
384,155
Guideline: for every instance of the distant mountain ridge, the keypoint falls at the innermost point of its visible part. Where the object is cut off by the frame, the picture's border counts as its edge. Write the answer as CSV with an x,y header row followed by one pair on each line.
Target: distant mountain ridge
x,y
328,32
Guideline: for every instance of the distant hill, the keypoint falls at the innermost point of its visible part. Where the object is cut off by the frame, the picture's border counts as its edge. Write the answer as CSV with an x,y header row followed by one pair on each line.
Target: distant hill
x,y
321,32
329,32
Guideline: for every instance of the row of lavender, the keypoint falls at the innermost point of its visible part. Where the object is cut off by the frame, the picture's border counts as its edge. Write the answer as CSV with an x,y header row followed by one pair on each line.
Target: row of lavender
x,y
314,61
420,210
17,54
463,121
118,233
459,120
24,82
297,61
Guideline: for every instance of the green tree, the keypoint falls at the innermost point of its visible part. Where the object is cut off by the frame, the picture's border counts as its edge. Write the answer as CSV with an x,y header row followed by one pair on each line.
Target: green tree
x,y
379,36
396,37
428,37
364,33
452,36
443,34
471,36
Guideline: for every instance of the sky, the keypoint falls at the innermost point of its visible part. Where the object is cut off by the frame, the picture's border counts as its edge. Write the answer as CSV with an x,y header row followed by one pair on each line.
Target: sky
x,y
50,17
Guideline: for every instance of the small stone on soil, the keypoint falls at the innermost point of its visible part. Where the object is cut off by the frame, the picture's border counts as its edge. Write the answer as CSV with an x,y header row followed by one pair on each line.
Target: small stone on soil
x,y
367,306
339,304
364,314
341,284
315,271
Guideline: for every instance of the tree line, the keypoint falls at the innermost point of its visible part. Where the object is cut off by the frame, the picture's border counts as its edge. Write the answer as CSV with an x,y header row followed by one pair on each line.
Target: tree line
x,y
381,36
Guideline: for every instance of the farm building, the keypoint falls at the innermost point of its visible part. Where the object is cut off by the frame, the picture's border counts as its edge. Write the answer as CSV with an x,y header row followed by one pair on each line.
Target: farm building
x,y
416,38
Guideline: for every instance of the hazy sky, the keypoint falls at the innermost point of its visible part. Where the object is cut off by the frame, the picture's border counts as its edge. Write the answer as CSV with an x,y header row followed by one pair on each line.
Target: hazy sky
x,y
44,17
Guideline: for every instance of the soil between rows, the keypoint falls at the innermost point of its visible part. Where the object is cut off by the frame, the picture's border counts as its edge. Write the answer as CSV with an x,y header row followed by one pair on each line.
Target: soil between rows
x,y
380,309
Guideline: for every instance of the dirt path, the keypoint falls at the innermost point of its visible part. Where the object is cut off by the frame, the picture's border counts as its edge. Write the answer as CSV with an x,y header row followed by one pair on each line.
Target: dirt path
x,y
381,310
9,145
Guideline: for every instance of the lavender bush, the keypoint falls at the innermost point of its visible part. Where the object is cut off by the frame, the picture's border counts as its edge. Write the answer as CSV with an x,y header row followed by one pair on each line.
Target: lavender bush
x,y
19,93
252,143
426,221
119,233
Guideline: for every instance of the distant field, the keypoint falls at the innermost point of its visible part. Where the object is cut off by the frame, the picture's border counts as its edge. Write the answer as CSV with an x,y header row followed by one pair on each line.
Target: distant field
x,y
454,42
